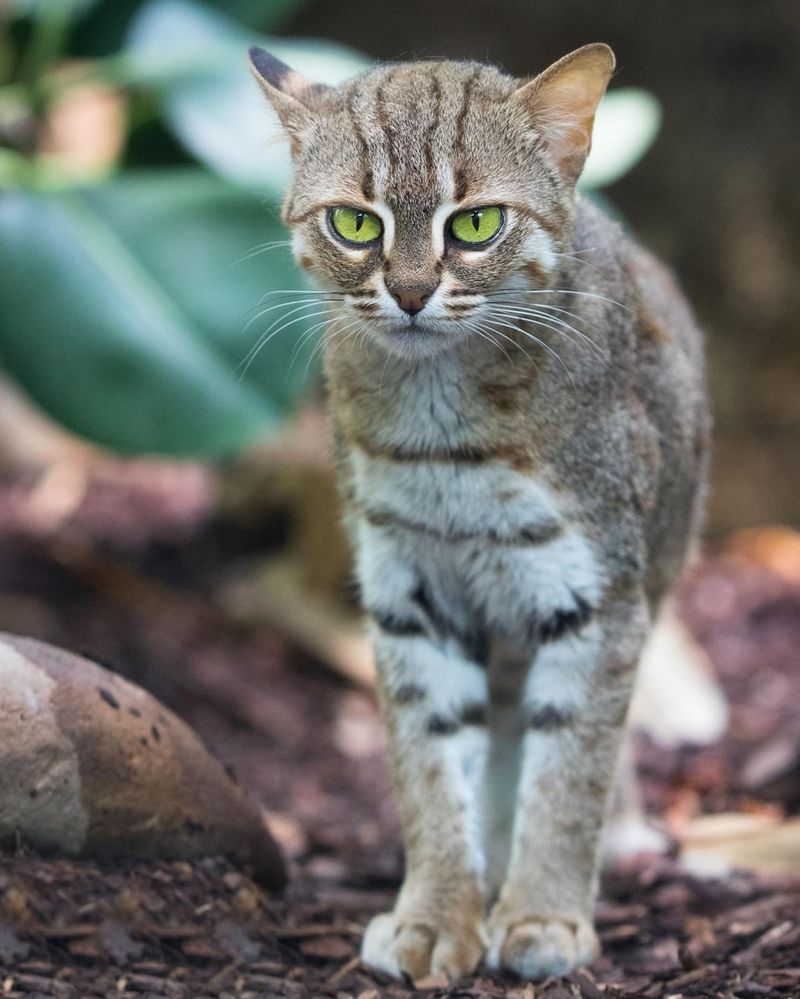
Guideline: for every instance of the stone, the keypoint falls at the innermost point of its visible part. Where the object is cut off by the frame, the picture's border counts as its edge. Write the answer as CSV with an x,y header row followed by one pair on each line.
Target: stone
x,y
93,766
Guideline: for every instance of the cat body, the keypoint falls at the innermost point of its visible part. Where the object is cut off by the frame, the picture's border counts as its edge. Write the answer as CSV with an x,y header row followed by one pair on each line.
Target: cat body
x,y
521,435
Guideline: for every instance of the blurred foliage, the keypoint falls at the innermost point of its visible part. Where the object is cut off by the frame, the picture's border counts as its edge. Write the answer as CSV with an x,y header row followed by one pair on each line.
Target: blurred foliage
x,y
140,239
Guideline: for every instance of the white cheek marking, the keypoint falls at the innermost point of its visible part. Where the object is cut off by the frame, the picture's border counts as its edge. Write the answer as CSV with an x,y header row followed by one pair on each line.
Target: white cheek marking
x,y
299,245
539,247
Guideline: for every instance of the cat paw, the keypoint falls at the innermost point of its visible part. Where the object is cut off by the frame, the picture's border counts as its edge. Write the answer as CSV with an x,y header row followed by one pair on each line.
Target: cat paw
x,y
406,949
540,946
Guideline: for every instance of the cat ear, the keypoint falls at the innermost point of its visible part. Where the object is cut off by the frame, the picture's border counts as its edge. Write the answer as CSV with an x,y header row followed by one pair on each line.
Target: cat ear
x,y
290,94
562,102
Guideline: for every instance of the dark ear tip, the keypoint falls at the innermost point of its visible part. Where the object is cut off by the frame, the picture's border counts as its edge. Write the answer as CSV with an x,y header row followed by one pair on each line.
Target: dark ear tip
x,y
259,58
270,69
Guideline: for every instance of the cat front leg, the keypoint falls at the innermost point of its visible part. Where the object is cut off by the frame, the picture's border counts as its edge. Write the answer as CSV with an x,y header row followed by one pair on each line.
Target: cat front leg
x,y
575,703
434,704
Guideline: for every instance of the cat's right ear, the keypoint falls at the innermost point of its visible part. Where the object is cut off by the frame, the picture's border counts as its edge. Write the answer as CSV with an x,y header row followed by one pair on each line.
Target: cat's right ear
x,y
562,102
290,94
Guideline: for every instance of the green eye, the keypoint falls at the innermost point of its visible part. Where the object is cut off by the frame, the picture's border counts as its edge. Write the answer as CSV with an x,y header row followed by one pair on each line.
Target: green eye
x,y
355,226
478,225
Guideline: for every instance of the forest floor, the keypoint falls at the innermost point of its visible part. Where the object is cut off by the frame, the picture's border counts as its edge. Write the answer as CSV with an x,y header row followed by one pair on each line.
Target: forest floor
x,y
126,573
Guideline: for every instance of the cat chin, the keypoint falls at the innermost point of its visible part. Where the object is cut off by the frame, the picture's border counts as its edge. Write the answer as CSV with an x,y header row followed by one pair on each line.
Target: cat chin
x,y
417,344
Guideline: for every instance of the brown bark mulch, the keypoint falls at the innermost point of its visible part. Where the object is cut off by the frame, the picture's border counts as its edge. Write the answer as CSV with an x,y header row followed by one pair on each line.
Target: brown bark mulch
x,y
128,580
206,929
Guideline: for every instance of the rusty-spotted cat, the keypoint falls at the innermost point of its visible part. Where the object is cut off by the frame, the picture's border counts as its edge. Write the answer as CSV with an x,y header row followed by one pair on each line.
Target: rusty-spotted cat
x,y
521,426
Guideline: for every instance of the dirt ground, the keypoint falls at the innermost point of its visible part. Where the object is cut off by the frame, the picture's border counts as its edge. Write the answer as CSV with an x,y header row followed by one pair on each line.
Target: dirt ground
x,y
128,575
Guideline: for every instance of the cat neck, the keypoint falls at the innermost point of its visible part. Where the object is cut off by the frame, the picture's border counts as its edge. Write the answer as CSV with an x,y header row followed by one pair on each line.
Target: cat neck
x,y
465,400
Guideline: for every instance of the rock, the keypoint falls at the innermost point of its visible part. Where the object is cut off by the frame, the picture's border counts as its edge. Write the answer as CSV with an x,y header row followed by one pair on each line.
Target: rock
x,y
93,766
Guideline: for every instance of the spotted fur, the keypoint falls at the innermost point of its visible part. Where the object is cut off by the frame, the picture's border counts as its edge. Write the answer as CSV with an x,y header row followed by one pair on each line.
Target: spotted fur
x,y
521,458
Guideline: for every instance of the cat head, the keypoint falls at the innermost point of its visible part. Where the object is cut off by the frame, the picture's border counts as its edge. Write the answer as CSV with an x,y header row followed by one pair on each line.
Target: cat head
x,y
422,189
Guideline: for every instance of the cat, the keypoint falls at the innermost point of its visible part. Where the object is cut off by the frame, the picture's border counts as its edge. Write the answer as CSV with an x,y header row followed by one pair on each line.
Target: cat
x,y
521,429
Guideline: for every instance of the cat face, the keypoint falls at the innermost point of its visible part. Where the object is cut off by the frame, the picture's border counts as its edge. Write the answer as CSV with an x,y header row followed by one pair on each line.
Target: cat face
x,y
424,189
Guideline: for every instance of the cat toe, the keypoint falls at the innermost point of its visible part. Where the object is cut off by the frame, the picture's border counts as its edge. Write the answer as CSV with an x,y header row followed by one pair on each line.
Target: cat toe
x,y
540,946
378,946
406,949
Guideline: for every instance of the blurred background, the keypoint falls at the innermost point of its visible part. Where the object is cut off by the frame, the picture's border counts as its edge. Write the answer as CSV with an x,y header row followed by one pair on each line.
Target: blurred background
x,y
140,189
166,501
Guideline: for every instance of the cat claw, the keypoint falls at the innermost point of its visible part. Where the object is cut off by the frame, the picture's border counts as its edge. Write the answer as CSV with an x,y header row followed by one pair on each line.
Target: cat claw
x,y
538,947
407,949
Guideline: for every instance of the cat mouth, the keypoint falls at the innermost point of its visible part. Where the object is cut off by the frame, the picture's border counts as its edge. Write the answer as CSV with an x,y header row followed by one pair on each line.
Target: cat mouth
x,y
415,338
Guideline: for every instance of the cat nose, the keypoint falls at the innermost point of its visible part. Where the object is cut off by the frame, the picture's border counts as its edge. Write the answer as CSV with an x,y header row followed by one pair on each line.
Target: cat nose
x,y
412,299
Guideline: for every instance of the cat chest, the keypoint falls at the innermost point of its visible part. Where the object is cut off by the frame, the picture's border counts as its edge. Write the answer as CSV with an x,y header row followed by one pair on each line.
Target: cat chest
x,y
454,501
482,540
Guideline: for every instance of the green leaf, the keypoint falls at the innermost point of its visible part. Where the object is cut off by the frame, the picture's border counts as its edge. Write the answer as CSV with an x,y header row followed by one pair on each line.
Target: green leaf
x,y
196,58
625,127
124,310
34,8
103,29
213,246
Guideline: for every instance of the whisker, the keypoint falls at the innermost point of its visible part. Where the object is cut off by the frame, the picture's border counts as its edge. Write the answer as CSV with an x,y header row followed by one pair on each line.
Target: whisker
x,y
357,327
262,248
265,334
534,322
584,249
303,291
315,292
541,343
577,259
486,335
514,342
263,341
490,334
557,291
560,326
306,336
383,372
543,306
320,344
330,335
280,305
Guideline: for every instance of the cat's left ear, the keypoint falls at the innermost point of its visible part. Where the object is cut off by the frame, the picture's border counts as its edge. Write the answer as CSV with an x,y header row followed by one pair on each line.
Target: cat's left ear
x,y
292,96
562,102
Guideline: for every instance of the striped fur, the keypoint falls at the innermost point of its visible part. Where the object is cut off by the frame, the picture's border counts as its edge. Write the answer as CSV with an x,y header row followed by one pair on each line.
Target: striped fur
x,y
521,464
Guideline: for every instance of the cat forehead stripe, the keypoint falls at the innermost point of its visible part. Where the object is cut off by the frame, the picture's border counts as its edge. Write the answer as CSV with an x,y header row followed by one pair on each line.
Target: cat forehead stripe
x,y
413,120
